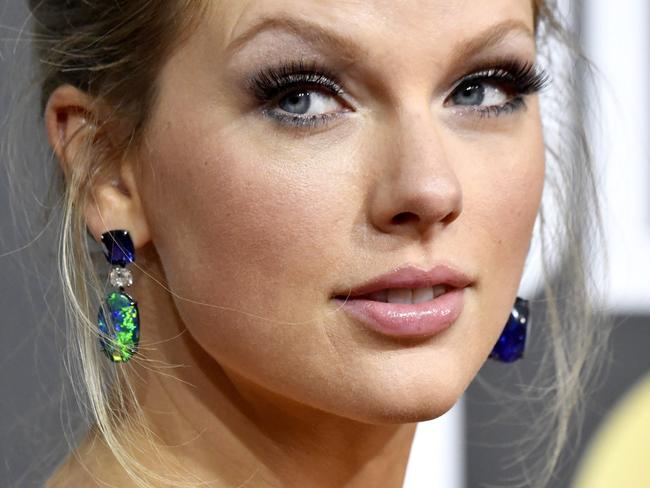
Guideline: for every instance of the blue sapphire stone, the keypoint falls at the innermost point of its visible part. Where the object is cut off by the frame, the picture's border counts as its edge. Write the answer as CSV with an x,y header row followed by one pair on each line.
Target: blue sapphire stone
x,y
512,342
118,247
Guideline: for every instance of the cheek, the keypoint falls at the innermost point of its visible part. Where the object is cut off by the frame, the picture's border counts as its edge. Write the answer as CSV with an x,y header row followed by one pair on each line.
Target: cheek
x,y
501,203
514,201
249,235
253,242
505,206
250,222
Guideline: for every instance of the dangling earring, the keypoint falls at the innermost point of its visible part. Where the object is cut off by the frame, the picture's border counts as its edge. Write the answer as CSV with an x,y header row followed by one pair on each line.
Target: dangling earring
x,y
512,342
123,328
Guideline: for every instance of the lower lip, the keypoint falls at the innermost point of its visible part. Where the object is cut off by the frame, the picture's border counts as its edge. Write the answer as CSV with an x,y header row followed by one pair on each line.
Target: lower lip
x,y
406,319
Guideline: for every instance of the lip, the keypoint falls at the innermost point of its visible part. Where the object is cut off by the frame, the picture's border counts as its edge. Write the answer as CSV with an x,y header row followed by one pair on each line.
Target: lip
x,y
412,277
405,319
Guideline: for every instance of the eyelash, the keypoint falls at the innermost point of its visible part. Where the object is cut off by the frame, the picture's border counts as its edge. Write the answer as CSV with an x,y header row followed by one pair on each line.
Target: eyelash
x,y
522,78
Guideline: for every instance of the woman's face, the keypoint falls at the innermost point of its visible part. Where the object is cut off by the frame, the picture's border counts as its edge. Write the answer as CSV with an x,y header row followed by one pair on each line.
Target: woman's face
x,y
260,219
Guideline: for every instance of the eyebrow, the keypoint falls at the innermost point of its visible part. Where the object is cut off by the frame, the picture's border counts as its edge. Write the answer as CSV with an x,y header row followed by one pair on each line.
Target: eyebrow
x,y
492,36
347,47
311,32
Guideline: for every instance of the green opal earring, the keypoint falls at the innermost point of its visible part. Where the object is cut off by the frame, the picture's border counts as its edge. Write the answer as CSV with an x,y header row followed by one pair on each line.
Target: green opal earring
x,y
120,327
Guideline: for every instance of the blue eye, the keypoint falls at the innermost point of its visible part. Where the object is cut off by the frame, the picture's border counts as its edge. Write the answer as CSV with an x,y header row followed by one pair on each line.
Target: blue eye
x,y
485,98
304,95
298,94
298,100
479,93
470,95
498,90
309,105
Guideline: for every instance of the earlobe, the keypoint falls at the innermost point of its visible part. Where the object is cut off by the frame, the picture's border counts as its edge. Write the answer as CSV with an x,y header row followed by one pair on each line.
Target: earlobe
x,y
113,200
115,203
109,208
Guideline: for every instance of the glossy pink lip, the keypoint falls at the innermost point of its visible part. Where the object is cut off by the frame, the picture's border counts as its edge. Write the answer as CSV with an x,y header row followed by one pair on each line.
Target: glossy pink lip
x,y
405,319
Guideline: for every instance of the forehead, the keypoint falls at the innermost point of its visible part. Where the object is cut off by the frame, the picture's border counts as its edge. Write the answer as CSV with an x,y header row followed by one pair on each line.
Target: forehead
x,y
366,26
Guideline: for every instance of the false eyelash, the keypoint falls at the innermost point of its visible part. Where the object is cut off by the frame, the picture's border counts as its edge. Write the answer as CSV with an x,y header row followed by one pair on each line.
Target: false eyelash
x,y
524,77
269,82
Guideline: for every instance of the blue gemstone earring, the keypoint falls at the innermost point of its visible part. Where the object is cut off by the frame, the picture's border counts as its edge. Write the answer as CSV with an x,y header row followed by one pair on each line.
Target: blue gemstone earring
x,y
512,342
121,333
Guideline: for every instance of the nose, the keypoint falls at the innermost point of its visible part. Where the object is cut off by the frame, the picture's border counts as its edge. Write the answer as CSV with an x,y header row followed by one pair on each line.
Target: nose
x,y
417,188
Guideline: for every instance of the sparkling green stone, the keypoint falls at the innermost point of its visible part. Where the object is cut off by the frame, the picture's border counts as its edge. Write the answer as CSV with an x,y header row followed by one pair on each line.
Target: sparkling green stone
x,y
123,327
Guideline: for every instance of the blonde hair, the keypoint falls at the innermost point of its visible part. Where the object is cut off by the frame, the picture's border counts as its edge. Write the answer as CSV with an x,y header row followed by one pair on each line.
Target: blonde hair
x,y
114,50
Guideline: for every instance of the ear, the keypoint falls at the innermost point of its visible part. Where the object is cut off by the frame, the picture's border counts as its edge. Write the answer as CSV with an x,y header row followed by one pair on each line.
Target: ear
x,y
114,201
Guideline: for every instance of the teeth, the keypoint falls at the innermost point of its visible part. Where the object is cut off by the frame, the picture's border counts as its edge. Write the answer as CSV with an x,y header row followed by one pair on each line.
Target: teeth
x,y
422,295
439,290
400,295
407,295
379,296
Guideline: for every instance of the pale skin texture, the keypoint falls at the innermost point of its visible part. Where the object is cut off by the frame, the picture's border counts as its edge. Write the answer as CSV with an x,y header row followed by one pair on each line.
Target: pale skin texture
x,y
228,208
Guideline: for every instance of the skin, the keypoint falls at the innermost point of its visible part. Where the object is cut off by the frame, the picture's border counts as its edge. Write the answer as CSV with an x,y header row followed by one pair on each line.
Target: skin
x,y
244,229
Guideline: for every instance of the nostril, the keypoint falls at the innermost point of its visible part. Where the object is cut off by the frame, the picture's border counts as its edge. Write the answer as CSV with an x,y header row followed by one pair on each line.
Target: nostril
x,y
404,217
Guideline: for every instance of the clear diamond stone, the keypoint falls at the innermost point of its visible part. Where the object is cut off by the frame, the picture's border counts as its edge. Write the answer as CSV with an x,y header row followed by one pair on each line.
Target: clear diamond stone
x,y
121,277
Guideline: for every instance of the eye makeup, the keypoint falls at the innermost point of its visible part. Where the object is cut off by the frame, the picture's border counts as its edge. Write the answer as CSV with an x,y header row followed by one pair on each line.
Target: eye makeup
x,y
515,78
290,77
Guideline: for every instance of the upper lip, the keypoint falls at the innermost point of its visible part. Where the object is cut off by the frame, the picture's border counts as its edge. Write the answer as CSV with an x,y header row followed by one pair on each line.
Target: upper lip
x,y
410,276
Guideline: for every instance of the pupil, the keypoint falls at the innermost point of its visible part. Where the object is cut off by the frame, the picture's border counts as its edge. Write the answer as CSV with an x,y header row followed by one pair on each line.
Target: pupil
x,y
298,101
471,95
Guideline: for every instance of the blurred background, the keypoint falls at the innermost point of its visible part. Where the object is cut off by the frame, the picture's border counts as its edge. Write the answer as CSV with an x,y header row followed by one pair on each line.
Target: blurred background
x,y
472,445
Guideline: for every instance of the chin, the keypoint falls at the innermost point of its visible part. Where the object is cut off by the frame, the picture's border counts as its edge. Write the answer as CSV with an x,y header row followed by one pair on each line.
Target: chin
x,y
398,403
379,414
